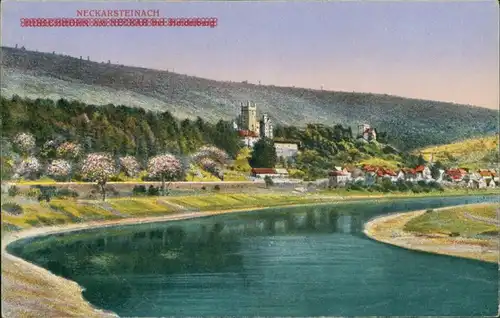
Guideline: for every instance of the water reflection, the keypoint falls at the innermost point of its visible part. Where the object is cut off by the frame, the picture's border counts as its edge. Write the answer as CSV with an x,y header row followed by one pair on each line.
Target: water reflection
x,y
235,256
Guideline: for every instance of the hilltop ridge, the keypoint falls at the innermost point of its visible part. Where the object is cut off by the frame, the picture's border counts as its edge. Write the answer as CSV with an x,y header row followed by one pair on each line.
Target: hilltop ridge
x,y
410,123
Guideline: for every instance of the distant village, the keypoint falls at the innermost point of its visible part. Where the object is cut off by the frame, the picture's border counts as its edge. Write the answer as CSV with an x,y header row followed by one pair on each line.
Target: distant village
x,y
251,129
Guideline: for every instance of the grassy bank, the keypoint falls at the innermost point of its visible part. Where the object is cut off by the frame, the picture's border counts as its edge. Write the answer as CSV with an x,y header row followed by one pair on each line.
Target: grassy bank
x,y
66,211
462,221
467,231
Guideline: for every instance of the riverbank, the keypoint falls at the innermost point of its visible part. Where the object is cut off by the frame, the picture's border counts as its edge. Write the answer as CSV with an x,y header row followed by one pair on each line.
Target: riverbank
x,y
31,291
406,230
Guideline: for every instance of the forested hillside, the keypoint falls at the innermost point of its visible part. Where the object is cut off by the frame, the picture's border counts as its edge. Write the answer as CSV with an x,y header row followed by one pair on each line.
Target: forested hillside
x,y
410,123
122,130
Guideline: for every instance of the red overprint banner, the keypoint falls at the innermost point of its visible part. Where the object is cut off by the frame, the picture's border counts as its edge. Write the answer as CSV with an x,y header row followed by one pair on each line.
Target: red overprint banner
x,y
118,22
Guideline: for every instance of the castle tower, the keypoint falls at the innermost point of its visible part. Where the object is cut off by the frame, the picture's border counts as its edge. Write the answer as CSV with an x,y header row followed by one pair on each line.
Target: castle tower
x,y
266,127
249,117
362,128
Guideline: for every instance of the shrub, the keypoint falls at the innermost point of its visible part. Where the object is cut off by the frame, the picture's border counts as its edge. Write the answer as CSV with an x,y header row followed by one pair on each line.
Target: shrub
x,y
417,189
139,190
429,211
269,181
13,191
217,187
118,177
65,192
153,190
12,208
203,188
33,193
454,234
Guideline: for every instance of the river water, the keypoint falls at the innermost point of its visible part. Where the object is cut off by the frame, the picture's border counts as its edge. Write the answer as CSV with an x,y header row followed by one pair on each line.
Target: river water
x,y
302,261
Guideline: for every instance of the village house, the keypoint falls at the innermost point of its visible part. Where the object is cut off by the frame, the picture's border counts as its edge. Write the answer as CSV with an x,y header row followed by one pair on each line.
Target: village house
x,y
456,174
423,173
286,149
410,174
339,178
261,173
282,173
383,173
248,137
370,175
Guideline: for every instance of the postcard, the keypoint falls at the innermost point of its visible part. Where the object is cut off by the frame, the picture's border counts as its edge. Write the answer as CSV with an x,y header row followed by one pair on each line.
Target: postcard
x,y
249,158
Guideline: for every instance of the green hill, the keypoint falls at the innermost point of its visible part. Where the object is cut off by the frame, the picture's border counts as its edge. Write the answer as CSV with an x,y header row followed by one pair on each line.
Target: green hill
x,y
471,153
410,123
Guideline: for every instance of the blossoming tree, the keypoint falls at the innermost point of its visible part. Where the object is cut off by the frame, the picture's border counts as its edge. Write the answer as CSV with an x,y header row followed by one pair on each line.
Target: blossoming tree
x,y
27,168
211,159
69,150
99,167
166,167
24,142
130,166
59,169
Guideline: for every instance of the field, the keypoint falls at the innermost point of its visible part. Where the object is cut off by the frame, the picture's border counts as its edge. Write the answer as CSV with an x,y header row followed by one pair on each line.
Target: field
x,y
471,153
66,211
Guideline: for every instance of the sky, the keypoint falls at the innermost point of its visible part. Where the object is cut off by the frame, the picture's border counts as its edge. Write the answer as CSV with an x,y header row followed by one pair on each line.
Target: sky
x,y
428,50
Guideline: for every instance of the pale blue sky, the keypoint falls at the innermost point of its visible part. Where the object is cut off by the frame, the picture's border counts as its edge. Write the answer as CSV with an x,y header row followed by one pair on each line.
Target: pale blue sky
x,y
432,50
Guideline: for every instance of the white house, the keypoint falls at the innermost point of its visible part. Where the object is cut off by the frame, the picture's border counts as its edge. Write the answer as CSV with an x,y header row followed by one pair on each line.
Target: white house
x,y
286,149
423,173
401,175
339,178
283,173
492,185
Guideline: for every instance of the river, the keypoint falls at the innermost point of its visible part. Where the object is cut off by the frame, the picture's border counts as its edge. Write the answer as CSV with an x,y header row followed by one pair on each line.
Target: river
x,y
301,261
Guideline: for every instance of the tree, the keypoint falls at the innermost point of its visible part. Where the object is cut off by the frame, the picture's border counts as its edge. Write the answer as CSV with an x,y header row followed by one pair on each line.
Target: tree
x,y
211,159
24,143
99,167
269,181
421,161
129,165
69,151
27,168
263,154
60,169
166,167
435,169
214,153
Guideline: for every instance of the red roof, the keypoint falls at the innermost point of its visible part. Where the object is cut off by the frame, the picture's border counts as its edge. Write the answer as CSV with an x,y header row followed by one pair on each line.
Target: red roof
x,y
369,168
263,171
247,133
485,173
419,168
456,171
390,172
409,171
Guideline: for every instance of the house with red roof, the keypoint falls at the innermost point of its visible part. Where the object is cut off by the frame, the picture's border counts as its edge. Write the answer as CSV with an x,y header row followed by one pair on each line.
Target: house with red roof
x,y
423,173
456,174
263,172
248,137
339,178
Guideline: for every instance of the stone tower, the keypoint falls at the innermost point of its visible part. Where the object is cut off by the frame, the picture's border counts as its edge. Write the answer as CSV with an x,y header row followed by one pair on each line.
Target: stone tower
x,y
249,117
266,127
